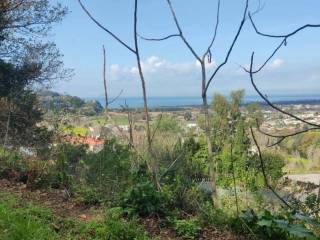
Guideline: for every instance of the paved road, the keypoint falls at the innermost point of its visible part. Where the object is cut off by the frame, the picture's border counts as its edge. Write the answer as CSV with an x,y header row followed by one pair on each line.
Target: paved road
x,y
312,178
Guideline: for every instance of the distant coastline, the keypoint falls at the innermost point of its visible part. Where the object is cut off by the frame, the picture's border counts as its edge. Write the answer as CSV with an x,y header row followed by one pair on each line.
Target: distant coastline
x,y
188,102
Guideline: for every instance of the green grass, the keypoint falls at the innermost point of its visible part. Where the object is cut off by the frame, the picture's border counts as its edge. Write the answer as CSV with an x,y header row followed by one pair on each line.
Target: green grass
x,y
20,220
24,222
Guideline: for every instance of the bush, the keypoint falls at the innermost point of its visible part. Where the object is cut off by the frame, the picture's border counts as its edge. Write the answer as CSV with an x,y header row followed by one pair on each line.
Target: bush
x,y
89,195
69,158
184,196
143,199
187,228
282,226
312,201
109,169
213,216
10,160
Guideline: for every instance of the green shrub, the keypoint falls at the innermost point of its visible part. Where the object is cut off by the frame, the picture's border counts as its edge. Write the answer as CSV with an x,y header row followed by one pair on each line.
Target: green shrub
x,y
187,228
10,160
109,169
212,216
69,158
89,195
281,226
312,201
143,199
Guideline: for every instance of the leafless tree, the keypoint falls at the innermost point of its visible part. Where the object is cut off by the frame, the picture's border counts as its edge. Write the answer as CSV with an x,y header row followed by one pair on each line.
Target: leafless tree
x,y
279,137
135,50
205,80
284,41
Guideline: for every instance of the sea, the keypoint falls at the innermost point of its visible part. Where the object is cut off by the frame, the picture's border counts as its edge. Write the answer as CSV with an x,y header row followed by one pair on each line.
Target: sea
x,y
180,102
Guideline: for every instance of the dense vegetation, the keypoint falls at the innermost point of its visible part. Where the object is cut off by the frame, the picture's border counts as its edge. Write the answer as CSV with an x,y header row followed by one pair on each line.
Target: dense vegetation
x,y
118,179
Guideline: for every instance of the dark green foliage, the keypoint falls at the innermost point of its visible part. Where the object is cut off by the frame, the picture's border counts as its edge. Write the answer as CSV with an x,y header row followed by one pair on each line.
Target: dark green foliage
x,y
23,30
273,163
283,226
143,199
312,202
19,110
109,169
27,61
93,178
69,158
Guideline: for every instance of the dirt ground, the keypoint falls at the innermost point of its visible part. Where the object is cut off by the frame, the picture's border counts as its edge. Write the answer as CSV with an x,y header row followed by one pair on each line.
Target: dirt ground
x,y
61,206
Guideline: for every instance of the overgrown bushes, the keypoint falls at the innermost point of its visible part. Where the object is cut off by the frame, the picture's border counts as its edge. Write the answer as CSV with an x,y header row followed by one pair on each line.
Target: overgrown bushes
x,y
266,225
110,179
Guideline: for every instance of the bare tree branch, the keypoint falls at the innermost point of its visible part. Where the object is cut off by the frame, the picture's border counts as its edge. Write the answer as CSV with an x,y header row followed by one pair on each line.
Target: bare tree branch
x,y
159,39
115,98
231,47
281,138
104,28
264,172
270,103
268,59
283,35
181,33
208,52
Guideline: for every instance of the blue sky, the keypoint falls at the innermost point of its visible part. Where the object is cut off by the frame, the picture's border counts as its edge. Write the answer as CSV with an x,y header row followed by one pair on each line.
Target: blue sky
x,y
169,67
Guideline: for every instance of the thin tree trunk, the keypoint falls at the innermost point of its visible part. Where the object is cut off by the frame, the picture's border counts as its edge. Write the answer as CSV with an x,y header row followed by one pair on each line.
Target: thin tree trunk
x,y
105,81
130,121
211,161
7,127
234,177
154,163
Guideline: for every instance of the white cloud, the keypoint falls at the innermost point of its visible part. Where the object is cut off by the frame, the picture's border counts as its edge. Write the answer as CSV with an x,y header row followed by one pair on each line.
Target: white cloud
x,y
153,67
275,64
162,77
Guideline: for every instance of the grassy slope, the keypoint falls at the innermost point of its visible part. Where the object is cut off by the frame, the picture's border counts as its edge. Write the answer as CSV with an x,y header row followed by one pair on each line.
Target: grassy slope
x,y
23,220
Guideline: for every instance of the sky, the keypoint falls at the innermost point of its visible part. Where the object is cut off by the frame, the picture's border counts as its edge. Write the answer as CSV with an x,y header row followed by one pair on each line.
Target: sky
x,y
169,68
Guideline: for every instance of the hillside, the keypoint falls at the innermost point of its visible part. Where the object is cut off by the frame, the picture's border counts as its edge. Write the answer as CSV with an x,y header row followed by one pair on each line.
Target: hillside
x,y
53,101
